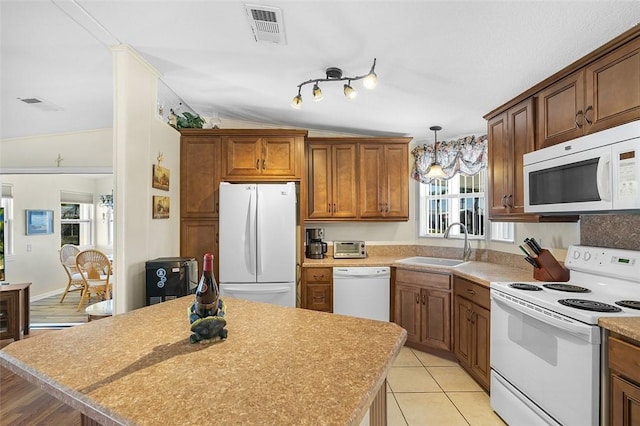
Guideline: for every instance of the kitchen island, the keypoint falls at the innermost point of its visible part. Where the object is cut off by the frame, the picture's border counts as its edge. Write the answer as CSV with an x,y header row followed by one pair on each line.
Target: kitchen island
x,y
278,366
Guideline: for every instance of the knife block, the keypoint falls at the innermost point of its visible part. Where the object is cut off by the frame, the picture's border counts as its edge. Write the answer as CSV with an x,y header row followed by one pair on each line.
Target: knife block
x,y
549,268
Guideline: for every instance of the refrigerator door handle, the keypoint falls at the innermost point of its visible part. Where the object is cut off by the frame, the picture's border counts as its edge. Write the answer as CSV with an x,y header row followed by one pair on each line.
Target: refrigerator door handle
x,y
259,234
252,232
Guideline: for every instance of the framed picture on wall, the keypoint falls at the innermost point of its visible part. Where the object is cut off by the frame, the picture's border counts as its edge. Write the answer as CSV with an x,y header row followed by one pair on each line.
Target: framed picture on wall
x,y
160,178
161,207
39,222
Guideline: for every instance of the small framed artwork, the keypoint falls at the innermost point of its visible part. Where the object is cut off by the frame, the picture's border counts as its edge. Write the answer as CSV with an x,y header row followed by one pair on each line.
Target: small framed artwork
x,y
160,178
161,206
39,222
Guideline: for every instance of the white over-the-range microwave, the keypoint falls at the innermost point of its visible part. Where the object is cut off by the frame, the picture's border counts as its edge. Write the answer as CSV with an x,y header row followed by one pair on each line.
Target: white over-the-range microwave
x,y
599,172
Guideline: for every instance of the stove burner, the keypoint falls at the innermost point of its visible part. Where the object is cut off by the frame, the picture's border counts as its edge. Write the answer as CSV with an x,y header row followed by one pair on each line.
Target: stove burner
x,y
525,286
589,305
566,287
632,304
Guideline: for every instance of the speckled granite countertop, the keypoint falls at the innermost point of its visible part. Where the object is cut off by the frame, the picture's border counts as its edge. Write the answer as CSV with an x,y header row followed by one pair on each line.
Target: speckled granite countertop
x,y
480,272
278,366
629,327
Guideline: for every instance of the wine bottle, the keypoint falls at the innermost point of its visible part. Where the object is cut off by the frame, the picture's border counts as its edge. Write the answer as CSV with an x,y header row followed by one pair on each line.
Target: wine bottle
x,y
207,293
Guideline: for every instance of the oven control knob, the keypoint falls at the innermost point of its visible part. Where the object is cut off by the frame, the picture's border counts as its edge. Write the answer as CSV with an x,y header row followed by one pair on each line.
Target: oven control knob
x,y
586,255
576,254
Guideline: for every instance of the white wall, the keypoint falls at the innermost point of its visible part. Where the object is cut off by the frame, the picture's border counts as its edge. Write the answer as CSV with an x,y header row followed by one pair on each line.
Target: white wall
x,y
89,150
139,137
35,257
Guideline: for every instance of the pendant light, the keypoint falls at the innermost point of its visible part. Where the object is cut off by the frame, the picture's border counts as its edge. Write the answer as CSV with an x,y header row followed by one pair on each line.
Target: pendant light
x,y
435,171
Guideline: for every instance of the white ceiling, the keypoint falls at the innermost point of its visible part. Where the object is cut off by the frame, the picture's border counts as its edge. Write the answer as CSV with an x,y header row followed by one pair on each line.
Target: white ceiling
x,y
438,63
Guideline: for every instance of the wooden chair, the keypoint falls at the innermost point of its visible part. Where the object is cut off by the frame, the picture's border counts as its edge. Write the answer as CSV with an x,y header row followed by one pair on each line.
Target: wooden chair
x,y
68,254
95,268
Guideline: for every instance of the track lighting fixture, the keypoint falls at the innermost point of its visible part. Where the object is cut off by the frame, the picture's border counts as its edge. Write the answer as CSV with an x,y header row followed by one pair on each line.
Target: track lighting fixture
x,y
435,171
370,80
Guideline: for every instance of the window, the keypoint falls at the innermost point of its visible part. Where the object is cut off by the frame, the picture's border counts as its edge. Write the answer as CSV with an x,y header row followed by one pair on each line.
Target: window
x,y
459,199
7,205
76,224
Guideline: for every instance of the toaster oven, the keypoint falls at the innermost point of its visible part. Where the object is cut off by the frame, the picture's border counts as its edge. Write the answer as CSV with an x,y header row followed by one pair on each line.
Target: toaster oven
x,y
349,250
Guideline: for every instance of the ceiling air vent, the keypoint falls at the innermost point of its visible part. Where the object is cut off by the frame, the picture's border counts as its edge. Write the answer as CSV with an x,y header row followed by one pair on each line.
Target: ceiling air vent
x,y
41,104
266,23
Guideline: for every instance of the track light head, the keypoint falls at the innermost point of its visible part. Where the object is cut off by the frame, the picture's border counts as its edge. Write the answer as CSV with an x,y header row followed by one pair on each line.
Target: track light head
x,y
296,102
317,93
349,91
371,80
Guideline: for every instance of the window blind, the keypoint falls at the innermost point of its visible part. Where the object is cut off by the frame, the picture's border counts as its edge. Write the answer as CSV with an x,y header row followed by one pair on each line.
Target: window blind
x,y
76,197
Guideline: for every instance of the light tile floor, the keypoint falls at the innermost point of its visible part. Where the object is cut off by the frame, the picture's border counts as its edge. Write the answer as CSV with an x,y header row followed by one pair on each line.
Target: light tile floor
x,y
424,390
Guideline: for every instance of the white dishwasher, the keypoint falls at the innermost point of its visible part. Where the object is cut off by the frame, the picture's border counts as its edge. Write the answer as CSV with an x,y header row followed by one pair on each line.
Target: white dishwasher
x,y
362,292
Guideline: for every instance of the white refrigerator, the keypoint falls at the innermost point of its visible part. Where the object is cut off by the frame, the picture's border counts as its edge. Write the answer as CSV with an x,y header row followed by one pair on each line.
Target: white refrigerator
x,y
258,242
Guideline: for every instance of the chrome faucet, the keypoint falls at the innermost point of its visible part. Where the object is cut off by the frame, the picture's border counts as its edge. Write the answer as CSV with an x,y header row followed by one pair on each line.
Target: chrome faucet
x,y
467,247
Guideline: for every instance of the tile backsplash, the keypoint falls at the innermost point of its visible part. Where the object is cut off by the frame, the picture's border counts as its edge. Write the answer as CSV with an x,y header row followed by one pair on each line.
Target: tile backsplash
x,y
616,231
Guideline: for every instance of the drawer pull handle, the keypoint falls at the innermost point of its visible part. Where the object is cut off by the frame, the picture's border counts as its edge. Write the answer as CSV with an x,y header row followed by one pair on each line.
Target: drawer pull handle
x,y
318,277
471,291
257,164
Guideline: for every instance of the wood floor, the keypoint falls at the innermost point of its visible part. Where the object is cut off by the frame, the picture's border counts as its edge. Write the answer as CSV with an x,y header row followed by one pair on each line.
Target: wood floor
x,y
22,403
50,311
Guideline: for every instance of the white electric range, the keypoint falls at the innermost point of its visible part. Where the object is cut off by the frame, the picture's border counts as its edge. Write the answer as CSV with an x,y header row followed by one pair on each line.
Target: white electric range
x,y
545,342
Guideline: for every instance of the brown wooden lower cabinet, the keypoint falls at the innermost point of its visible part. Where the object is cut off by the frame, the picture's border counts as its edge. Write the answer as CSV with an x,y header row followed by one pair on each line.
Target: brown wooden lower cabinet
x,y
471,326
422,306
317,289
624,365
200,236
14,311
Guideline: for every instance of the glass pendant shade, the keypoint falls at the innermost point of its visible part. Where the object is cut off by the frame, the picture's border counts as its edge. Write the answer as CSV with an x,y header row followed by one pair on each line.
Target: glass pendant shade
x,y
435,171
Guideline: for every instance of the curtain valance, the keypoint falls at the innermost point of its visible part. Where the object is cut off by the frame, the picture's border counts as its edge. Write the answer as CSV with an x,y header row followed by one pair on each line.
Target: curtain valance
x,y
466,155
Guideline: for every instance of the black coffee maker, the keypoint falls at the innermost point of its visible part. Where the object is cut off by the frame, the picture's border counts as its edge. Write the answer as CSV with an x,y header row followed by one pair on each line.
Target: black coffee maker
x,y
316,248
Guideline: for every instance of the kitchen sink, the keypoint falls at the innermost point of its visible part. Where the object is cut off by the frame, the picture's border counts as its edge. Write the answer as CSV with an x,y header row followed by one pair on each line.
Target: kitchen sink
x,y
431,261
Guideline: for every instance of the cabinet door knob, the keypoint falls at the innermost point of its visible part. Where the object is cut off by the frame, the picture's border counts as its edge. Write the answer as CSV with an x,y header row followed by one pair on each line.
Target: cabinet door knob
x,y
418,299
586,118
257,164
578,125
424,299
264,164
334,207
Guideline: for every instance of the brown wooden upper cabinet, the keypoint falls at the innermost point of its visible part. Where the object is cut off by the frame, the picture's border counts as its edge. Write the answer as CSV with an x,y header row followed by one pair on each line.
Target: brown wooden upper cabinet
x,y
511,135
259,157
332,177
199,175
358,179
602,94
384,180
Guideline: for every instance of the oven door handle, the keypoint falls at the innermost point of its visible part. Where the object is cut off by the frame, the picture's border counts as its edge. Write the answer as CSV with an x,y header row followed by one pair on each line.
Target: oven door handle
x,y
576,328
